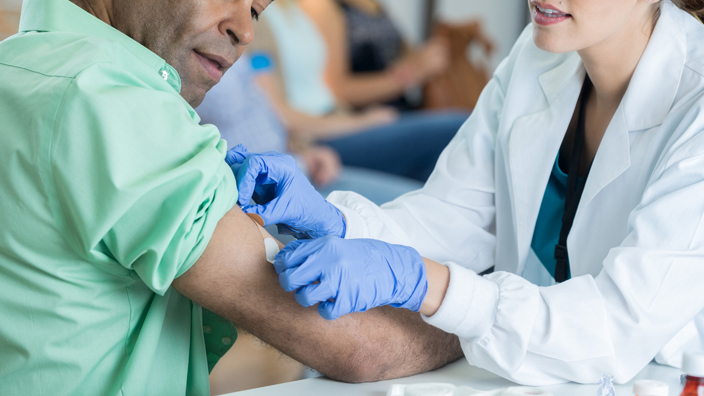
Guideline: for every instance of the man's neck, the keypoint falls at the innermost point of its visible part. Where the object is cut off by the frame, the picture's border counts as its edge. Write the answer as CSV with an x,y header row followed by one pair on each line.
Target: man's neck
x,y
100,9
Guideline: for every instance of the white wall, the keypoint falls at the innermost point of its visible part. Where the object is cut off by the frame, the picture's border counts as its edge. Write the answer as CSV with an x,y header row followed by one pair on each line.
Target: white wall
x,y
408,15
503,19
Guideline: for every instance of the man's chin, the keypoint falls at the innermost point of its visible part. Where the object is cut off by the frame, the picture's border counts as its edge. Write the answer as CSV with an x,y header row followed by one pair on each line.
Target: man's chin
x,y
194,95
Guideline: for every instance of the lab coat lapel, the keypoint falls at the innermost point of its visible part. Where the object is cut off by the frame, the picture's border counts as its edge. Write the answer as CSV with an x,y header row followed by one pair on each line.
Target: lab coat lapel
x,y
612,158
534,142
645,105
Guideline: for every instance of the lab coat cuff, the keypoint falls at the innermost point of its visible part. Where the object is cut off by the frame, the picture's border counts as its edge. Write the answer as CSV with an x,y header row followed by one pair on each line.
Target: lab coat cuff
x,y
469,307
356,227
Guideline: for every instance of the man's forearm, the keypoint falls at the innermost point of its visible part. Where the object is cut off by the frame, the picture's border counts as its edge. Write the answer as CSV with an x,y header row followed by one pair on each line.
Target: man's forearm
x,y
233,279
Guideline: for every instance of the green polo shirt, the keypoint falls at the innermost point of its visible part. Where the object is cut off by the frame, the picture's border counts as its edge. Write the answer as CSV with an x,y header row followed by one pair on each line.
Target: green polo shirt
x,y
109,190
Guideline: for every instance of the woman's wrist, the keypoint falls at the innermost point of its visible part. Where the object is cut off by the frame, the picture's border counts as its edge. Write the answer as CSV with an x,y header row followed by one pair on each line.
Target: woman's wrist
x,y
438,281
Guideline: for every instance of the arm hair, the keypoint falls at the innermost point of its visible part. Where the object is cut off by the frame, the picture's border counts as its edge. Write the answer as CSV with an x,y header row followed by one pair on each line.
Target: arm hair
x,y
233,279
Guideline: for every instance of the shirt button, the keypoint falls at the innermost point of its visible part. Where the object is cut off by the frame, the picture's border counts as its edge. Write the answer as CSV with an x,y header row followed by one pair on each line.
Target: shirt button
x,y
165,74
207,329
226,341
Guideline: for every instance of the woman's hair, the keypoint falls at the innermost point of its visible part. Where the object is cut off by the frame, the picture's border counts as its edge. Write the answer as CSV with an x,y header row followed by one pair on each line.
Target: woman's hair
x,y
694,7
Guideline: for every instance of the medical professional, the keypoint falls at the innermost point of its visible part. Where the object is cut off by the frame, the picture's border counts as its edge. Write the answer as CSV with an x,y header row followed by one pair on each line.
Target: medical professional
x,y
579,178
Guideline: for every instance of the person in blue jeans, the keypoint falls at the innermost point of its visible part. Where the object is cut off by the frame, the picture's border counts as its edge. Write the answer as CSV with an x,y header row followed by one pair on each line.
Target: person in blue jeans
x,y
409,147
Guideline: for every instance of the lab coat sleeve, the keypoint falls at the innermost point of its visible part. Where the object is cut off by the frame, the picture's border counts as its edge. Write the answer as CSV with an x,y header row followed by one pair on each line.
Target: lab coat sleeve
x,y
650,288
451,219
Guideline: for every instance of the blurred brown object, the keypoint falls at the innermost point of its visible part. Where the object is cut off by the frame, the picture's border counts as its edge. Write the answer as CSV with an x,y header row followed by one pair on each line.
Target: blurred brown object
x,y
460,85
9,22
252,364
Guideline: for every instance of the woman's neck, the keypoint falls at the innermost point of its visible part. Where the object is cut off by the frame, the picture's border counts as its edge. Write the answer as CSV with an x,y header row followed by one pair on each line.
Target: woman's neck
x,y
610,64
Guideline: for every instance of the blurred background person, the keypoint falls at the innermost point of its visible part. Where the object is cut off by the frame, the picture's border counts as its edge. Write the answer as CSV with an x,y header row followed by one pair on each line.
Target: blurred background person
x,y
368,61
291,56
244,115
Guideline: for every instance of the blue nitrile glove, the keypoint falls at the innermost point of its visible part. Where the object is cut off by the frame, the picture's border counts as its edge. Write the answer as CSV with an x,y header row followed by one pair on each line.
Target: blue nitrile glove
x,y
284,196
354,274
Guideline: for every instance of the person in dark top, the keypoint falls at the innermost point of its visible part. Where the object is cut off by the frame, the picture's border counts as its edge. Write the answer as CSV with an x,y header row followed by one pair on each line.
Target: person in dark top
x,y
369,63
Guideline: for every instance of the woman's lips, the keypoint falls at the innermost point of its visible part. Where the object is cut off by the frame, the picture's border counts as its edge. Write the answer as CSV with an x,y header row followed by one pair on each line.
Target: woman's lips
x,y
548,15
212,68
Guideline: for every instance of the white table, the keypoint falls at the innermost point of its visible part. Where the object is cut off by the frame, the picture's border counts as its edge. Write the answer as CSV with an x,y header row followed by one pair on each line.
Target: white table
x,y
458,373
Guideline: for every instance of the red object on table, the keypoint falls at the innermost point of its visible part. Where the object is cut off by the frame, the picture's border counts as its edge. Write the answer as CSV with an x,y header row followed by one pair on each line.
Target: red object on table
x,y
693,387
693,366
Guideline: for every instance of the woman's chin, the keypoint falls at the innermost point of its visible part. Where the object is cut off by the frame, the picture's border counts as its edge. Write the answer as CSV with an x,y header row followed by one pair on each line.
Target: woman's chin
x,y
549,43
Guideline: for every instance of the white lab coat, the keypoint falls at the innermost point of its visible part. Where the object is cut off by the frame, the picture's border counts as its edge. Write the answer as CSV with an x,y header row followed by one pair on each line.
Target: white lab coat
x,y
637,244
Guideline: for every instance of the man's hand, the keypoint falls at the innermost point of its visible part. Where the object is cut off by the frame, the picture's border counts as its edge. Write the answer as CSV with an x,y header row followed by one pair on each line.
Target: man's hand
x,y
233,279
352,275
283,195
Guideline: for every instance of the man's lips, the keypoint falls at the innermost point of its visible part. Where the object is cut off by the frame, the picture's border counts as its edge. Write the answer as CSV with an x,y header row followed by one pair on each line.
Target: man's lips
x,y
214,65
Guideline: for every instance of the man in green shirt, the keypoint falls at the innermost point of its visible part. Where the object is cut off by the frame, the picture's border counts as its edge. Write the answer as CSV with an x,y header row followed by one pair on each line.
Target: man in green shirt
x,y
117,211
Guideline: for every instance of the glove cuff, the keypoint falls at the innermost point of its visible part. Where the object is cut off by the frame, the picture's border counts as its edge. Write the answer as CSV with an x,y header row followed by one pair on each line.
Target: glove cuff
x,y
416,286
344,224
337,227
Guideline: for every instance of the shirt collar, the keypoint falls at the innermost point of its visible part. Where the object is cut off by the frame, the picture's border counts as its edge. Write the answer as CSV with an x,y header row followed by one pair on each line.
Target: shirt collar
x,y
64,16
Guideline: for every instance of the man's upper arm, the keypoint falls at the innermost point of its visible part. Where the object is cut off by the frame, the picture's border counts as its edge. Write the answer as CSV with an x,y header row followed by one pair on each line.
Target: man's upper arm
x,y
233,279
138,187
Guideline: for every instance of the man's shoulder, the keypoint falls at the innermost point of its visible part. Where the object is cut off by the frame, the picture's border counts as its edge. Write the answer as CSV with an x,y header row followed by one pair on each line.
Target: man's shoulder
x,y
56,54
67,55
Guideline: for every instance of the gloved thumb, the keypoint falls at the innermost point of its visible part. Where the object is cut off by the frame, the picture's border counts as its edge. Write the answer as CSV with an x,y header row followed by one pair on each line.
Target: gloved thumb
x,y
237,155
266,212
247,175
314,293
327,310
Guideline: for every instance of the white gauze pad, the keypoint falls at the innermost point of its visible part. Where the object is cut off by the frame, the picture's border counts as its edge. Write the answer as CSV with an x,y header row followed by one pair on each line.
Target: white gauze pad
x,y
272,249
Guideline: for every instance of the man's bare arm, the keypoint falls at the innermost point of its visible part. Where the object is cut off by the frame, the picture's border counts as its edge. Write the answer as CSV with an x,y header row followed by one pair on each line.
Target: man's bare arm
x,y
233,279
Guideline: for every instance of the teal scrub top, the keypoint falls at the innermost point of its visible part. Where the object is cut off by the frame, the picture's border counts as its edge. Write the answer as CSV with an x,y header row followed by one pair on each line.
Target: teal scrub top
x,y
110,189
547,228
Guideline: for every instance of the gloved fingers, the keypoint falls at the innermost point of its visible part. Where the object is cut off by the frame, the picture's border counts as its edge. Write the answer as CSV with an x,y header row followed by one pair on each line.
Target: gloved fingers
x,y
284,255
316,293
294,278
237,155
290,247
266,212
328,310
249,176
298,253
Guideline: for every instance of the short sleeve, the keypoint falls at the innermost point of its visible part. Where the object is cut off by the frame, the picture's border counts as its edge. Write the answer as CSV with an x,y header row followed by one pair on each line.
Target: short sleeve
x,y
134,179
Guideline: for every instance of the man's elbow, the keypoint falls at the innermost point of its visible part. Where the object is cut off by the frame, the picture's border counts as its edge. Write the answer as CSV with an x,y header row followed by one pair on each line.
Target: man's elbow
x,y
365,364
355,372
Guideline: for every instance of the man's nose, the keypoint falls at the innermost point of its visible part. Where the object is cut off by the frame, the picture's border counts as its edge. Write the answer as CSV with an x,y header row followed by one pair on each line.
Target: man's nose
x,y
237,24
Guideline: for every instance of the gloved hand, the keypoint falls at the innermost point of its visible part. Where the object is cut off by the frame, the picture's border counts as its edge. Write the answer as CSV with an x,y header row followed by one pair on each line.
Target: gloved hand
x,y
284,196
354,274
